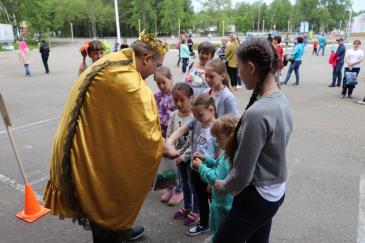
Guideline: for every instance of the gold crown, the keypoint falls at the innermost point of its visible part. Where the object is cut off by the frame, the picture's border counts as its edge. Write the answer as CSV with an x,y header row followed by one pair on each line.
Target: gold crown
x,y
152,41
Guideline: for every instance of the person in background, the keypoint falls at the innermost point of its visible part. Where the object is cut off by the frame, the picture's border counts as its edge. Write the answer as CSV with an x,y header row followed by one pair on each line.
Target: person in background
x,y
184,53
83,52
269,38
25,57
322,44
163,97
116,47
196,72
333,60
190,45
279,50
231,62
296,55
353,59
315,46
107,47
217,79
337,73
124,44
44,50
95,50
221,52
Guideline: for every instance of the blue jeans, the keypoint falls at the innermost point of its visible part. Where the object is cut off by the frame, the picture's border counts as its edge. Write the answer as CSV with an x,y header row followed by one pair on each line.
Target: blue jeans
x,y
293,66
321,48
190,200
27,69
337,74
185,62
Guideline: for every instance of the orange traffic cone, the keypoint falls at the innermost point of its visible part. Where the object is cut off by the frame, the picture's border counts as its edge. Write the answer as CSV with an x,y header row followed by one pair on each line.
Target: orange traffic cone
x,y
32,209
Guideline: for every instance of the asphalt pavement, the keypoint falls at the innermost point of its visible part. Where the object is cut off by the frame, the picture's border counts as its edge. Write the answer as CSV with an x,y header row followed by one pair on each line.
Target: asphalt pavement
x,y
326,155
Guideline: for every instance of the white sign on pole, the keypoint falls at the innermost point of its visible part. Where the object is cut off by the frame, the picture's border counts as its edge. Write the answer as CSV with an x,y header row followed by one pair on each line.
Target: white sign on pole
x,y
304,26
6,33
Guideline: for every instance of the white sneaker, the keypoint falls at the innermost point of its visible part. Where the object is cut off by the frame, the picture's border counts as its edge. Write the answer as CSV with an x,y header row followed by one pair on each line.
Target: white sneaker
x,y
361,102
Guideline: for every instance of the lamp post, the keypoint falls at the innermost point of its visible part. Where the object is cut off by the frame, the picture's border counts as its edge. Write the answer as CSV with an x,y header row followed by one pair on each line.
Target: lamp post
x,y
288,26
72,33
139,27
349,25
223,28
117,21
340,25
258,20
179,28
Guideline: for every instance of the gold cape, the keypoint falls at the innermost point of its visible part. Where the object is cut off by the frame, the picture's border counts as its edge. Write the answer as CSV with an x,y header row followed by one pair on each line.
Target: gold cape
x,y
116,145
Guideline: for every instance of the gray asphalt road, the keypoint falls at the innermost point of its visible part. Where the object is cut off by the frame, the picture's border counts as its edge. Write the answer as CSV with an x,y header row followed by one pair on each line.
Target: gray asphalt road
x,y
326,155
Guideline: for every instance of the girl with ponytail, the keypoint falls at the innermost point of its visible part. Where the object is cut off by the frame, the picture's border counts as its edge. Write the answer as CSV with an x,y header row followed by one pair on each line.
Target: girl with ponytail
x,y
219,88
257,149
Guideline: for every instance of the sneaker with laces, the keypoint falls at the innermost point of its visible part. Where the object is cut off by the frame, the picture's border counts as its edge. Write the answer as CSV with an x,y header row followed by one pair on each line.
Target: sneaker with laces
x,y
167,195
197,230
191,218
176,198
181,213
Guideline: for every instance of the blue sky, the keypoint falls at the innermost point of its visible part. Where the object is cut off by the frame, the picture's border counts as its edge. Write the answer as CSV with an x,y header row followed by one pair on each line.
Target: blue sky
x,y
357,5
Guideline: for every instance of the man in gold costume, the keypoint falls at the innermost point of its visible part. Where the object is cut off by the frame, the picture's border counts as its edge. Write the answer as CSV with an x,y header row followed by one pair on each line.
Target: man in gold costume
x,y
108,144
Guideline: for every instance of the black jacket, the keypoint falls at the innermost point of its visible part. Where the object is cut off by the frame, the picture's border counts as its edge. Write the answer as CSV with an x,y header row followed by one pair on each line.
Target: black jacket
x,y
44,49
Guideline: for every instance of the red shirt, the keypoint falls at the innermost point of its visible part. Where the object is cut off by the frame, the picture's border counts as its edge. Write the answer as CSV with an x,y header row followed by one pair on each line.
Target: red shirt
x,y
280,52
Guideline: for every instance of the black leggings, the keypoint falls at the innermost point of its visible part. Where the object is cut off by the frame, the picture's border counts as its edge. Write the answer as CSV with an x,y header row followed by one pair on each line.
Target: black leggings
x,y
249,219
233,75
203,198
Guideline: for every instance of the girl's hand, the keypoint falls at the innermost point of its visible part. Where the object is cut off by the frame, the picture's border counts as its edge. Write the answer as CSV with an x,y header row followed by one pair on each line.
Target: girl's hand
x,y
196,164
179,160
198,155
170,152
218,185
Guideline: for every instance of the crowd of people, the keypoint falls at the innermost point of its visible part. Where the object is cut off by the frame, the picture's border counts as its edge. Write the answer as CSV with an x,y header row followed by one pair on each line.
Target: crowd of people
x,y
232,170
217,164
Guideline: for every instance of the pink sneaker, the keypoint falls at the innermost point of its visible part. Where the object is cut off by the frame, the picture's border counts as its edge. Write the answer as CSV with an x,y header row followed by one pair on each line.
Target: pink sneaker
x,y
167,195
191,219
176,198
181,213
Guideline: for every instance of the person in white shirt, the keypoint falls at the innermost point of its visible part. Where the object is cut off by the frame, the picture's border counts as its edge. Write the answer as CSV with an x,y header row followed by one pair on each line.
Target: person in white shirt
x,y
353,58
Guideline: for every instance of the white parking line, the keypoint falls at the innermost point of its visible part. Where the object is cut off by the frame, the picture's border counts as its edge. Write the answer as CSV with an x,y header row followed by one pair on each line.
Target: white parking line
x,y
361,222
17,186
31,124
39,180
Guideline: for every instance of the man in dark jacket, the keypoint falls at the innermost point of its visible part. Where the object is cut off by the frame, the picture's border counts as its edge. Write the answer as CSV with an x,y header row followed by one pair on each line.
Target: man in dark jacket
x,y
337,72
44,50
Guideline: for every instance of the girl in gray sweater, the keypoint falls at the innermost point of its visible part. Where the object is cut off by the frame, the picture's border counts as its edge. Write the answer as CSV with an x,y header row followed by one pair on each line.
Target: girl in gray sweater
x,y
257,150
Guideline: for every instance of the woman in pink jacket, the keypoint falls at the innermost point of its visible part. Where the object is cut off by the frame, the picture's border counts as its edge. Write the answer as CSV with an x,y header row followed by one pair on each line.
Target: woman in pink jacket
x,y
25,57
